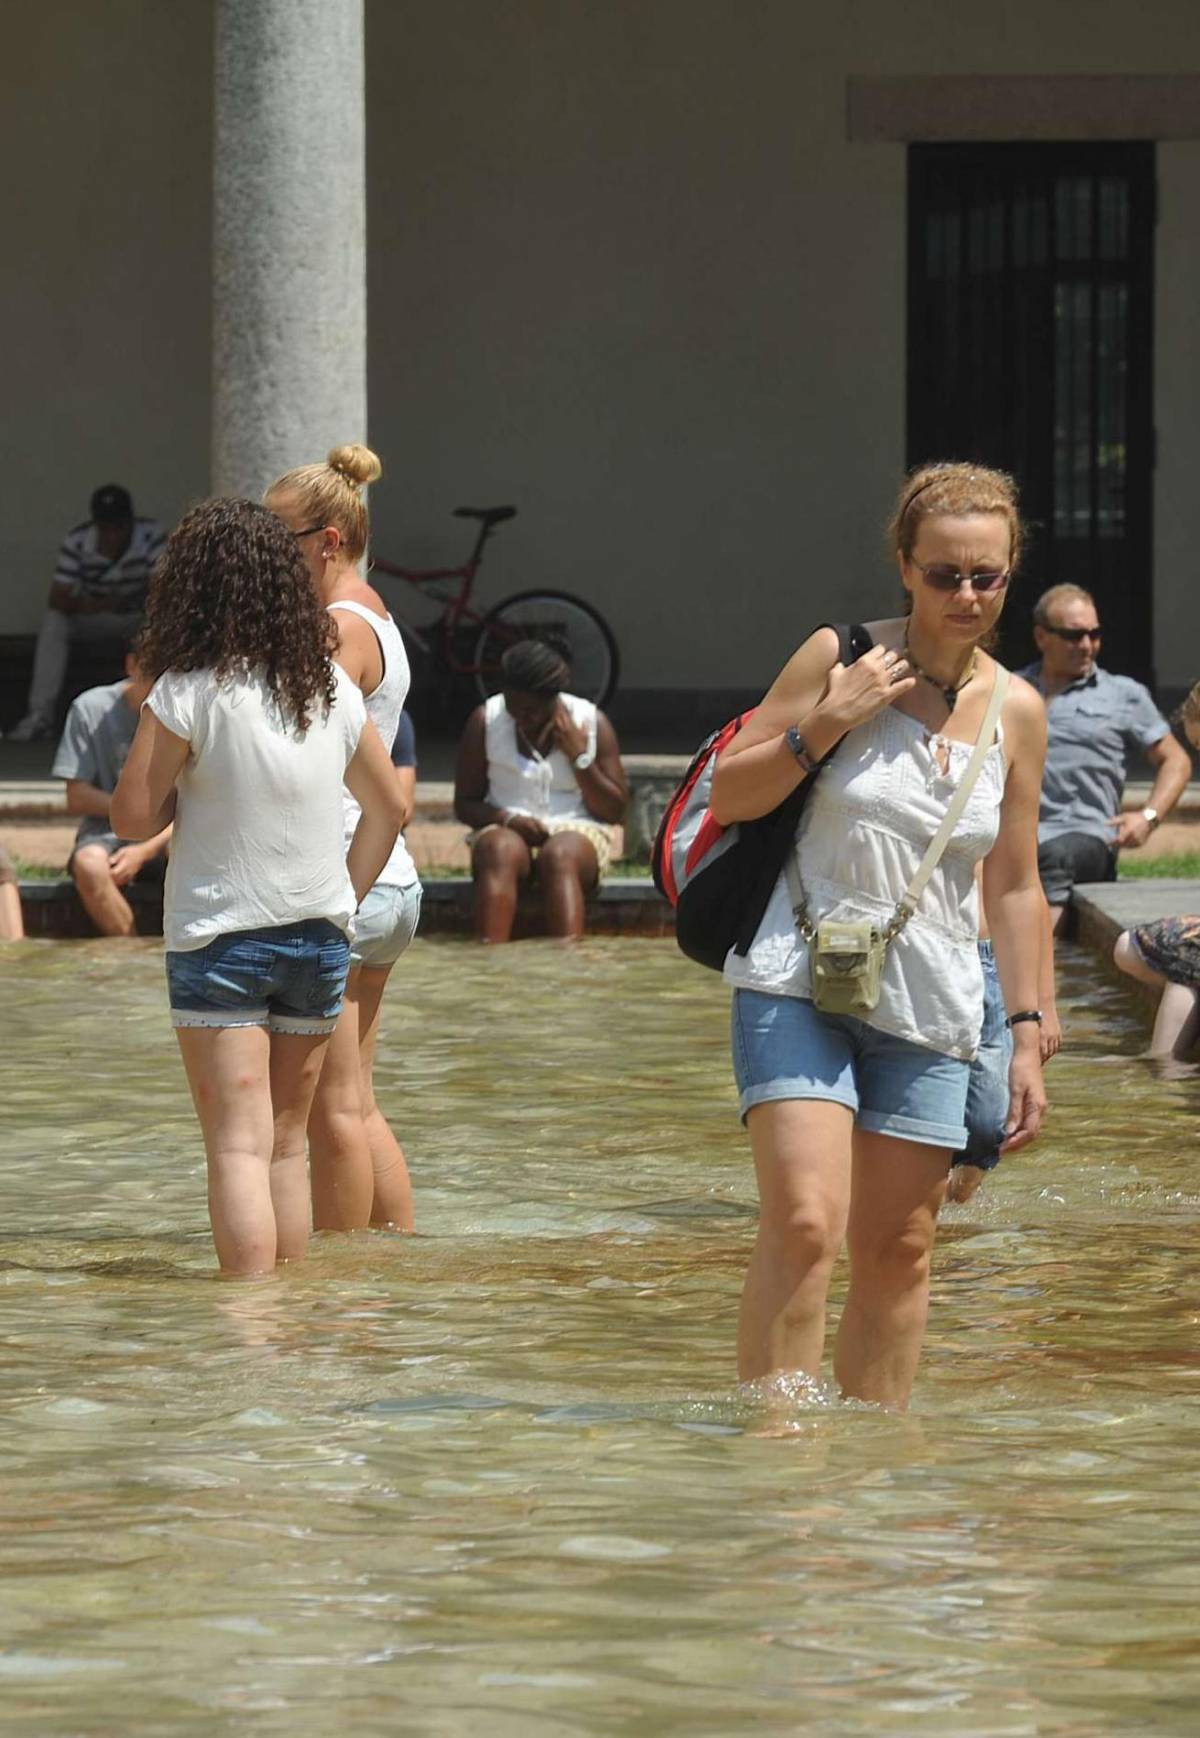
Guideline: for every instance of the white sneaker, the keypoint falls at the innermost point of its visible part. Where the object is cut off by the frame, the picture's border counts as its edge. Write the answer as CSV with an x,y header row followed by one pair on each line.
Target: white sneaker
x,y
32,728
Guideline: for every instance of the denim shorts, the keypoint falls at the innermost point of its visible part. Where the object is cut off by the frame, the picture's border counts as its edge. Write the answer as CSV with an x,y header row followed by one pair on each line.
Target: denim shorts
x,y
386,923
784,1047
290,978
987,1093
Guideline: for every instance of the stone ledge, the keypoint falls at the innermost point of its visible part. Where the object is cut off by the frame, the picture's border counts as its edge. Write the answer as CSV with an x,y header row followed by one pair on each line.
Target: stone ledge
x,y
623,905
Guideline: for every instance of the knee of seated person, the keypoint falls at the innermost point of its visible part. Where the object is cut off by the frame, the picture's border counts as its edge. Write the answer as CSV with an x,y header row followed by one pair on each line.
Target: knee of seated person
x,y
90,867
497,849
1124,955
560,854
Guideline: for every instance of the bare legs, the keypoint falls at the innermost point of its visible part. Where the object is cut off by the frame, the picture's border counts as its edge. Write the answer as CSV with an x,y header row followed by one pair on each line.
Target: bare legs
x,y
252,1090
342,1184
501,862
819,1180
897,1190
802,1162
12,924
392,1203
359,1175
1177,1022
102,899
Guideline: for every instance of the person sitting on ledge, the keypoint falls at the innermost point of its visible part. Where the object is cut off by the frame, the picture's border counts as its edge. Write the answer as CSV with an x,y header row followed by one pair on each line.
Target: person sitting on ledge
x,y
1166,954
95,741
12,924
540,780
98,593
1094,719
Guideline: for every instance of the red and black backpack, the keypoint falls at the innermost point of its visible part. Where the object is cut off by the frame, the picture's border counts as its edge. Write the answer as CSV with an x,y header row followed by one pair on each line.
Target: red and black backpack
x,y
720,879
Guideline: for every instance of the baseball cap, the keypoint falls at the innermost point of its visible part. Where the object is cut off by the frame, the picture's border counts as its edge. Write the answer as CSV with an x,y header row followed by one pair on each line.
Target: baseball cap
x,y
111,504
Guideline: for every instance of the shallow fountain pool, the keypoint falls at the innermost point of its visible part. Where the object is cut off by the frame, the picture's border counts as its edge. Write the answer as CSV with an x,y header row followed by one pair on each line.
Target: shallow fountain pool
x,y
498,1476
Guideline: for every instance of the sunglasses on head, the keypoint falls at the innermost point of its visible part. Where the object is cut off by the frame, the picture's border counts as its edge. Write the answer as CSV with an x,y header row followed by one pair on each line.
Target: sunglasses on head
x,y
1074,636
950,578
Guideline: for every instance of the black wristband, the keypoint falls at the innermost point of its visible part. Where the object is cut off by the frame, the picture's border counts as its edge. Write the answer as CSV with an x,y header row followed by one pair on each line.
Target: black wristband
x,y
1025,1014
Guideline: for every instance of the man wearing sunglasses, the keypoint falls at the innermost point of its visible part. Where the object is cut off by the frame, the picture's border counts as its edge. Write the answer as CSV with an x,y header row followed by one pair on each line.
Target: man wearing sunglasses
x,y
1094,718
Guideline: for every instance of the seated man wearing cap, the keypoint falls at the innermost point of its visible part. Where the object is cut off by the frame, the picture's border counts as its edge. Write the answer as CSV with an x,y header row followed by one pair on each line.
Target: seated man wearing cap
x,y
98,593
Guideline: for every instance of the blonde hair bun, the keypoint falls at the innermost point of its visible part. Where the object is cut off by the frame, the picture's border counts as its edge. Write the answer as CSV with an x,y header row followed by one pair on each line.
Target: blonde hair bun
x,y
358,464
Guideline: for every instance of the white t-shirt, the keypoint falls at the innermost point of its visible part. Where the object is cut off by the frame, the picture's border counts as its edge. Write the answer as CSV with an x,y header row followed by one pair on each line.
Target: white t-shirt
x,y
258,838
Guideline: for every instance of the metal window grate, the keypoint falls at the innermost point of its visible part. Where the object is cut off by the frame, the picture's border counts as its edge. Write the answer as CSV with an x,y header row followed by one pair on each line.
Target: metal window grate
x,y
1029,347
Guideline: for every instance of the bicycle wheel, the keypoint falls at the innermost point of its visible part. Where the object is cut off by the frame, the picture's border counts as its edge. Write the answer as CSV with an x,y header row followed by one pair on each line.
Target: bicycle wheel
x,y
571,626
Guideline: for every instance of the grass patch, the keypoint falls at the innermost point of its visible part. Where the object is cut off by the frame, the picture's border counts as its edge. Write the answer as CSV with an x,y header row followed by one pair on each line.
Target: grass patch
x,y
1174,866
37,871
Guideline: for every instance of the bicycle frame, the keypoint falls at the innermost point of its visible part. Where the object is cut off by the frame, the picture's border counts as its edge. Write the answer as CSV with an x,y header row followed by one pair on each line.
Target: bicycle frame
x,y
458,612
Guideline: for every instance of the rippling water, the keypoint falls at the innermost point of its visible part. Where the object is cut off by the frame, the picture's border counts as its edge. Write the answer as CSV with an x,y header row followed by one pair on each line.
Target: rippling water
x,y
498,1477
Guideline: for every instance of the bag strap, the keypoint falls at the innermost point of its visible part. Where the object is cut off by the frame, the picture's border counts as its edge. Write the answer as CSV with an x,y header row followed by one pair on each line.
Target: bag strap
x,y
911,896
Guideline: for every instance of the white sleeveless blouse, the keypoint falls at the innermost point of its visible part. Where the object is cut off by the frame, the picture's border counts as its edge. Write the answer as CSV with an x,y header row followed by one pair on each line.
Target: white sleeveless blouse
x,y
384,705
864,830
545,785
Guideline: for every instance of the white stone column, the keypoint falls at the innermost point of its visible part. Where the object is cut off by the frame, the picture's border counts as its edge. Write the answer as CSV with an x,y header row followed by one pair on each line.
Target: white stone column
x,y
289,237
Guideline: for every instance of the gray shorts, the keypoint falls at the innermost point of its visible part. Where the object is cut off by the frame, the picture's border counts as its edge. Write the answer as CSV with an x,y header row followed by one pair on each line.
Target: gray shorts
x,y
386,923
154,870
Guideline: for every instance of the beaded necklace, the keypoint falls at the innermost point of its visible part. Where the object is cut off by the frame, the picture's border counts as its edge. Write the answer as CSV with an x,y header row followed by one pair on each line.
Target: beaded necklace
x,y
949,692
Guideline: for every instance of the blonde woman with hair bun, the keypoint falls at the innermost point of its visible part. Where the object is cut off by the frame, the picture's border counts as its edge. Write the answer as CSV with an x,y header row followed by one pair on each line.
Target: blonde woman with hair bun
x,y
359,1174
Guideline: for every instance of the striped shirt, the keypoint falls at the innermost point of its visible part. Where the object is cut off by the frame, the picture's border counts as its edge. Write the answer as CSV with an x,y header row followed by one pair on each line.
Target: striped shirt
x,y
121,584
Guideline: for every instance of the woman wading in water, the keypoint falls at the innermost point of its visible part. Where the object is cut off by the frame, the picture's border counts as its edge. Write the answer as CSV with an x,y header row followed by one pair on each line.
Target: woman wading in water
x,y
246,739
853,1120
359,1173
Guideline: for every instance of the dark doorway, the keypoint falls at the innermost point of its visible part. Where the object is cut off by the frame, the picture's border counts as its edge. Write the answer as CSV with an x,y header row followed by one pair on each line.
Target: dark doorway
x,y
1029,347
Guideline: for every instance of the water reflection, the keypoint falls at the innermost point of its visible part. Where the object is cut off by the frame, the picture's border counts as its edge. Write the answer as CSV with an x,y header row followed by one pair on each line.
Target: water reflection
x,y
499,1472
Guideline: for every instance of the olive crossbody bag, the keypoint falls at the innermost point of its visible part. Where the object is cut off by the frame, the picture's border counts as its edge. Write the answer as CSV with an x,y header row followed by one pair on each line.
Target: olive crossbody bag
x,y
846,959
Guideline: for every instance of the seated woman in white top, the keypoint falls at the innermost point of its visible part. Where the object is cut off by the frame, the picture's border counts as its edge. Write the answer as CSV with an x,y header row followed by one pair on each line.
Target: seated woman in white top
x,y
358,1169
246,739
540,780
853,1121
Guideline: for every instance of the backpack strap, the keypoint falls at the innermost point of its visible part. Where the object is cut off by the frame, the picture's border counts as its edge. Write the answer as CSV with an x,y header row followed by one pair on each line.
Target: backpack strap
x,y
779,826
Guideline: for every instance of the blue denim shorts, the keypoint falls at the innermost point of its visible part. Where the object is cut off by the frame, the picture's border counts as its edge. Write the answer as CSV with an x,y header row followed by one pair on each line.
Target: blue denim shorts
x,y
987,1093
386,923
290,978
784,1048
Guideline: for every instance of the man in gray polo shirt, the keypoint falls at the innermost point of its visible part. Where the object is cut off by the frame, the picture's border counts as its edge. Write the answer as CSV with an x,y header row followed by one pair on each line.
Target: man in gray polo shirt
x,y
95,741
1093,719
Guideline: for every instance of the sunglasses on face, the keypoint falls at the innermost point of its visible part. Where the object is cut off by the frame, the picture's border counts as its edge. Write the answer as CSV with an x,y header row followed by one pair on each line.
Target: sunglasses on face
x,y
1074,636
949,578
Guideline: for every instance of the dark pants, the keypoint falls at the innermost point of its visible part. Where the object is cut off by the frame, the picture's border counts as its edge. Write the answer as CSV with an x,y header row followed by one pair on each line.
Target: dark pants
x,y
1073,857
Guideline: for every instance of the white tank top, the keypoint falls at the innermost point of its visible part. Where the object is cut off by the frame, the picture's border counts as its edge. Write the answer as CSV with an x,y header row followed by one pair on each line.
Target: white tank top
x,y
384,705
872,813
545,785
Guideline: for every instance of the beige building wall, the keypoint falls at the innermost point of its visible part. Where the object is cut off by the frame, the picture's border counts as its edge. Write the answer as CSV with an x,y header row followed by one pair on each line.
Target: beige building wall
x,y
626,271
104,281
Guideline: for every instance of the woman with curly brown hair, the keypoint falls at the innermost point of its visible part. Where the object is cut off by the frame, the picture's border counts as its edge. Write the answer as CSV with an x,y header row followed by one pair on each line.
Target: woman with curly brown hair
x,y
246,738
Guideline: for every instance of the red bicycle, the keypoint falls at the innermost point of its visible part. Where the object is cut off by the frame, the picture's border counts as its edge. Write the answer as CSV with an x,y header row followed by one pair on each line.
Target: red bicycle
x,y
467,643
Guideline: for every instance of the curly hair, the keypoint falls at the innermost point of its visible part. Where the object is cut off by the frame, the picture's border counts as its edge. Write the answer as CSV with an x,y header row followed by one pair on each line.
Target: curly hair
x,y
231,593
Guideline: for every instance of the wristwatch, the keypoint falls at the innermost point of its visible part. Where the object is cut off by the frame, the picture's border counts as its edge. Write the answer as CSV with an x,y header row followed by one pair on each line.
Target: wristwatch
x,y
795,741
1151,818
584,759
